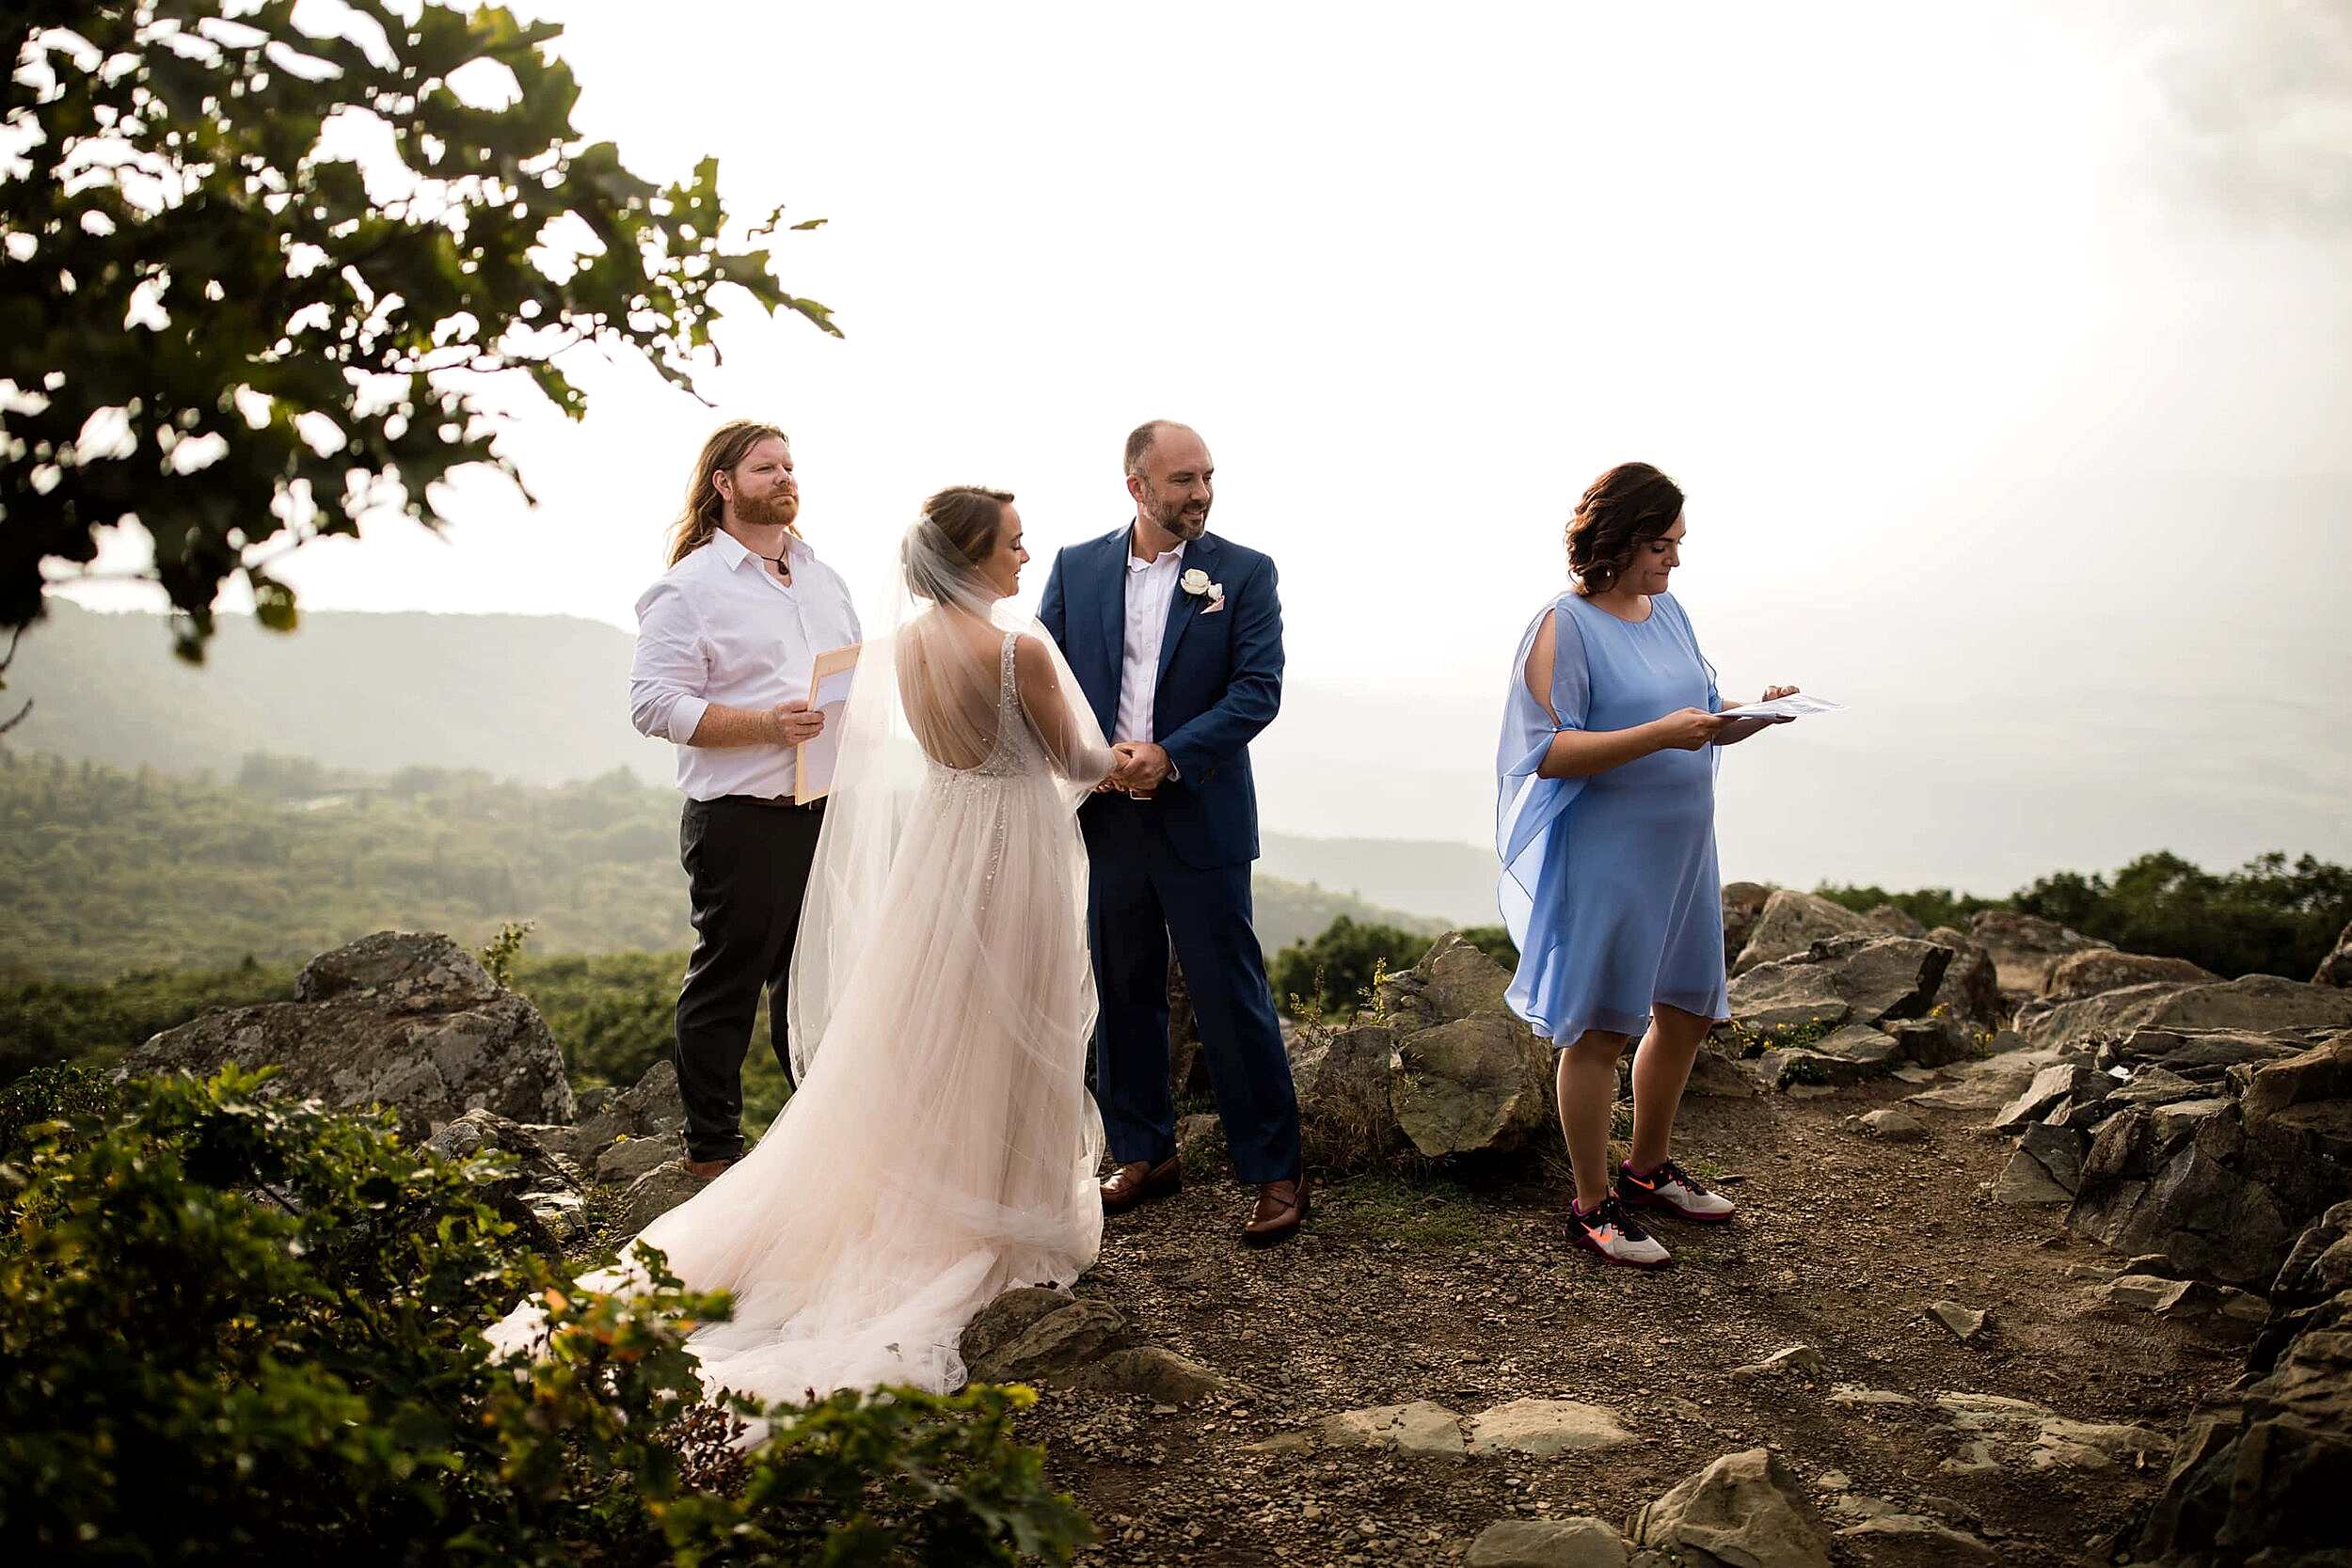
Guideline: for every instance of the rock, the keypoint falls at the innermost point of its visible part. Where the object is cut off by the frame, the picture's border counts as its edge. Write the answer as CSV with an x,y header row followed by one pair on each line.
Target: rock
x,y
2259,1003
2052,1086
1714,1075
1152,1373
1474,1085
407,1021
1971,991
1062,1345
1849,1393
1887,918
1795,1358
1003,1320
1930,1041
2099,969
1914,1538
2203,1056
1983,1087
626,1161
1846,1056
1856,979
1745,1509
1895,1126
2214,1311
542,1196
1342,1079
1546,1426
2018,1433
2336,968
2024,948
1420,1427
1790,923
650,1108
1743,905
1200,1146
1460,981
2059,1150
654,1194
2025,1182
2266,1483
1582,1543
1963,1323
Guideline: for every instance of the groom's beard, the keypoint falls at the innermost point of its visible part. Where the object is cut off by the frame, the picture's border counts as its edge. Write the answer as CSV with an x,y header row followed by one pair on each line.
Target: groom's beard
x,y
1171,519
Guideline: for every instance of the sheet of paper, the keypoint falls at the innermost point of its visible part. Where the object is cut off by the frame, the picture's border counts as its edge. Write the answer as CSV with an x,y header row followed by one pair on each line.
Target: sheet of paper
x,y
829,681
1798,706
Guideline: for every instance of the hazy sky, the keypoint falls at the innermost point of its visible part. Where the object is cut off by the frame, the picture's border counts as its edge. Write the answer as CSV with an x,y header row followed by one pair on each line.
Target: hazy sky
x,y
2002,349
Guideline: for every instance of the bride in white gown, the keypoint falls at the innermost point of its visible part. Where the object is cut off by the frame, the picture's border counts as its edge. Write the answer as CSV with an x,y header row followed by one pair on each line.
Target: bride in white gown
x,y
942,1146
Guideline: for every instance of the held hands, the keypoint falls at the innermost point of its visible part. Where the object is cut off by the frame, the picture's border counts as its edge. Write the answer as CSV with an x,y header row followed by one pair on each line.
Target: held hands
x,y
796,723
1687,730
1138,767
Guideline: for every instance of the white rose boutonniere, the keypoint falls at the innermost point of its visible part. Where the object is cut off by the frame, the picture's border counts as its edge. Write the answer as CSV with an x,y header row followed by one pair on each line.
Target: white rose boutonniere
x,y
1195,581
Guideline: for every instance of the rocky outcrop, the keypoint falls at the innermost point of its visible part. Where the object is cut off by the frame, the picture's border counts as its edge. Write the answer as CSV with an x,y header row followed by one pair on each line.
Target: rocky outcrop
x,y
1439,1067
1745,1509
409,1022
2103,969
2211,1151
1031,1334
1857,979
1895,922
1743,905
1792,921
2265,1482
2024,948
543,1195
1971,991
2259,1003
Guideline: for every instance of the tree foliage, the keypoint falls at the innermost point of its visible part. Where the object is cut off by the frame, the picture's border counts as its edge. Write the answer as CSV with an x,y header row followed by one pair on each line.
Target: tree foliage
x,y
240,1330
2270,916
1338,965
254,278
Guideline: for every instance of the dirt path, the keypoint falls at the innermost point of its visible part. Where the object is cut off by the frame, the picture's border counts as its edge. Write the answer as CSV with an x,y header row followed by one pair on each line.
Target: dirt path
x,y
1434,1290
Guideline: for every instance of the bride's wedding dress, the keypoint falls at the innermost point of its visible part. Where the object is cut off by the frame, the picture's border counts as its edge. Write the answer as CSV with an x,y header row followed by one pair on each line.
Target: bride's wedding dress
x,y
942,1146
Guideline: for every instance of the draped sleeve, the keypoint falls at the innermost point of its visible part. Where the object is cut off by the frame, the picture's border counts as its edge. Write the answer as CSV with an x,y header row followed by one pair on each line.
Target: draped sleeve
x,y
1527,806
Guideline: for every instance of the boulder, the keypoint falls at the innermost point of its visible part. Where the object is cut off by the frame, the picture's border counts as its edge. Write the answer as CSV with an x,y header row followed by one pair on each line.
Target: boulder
x,y
1894,1125
1453,980
1937,1041
1341,1077
2099,969
2024,948
1478,1084
1792,921
626,1160
2265,1482
409,1022
2336,968
1420,1427
1745,1509
650,1108
1582,1543
1063,1344
542,1195
1858,978
1887,918
1743,905
2257,1003
655,1194
1004,1319
1154,1372
1971,992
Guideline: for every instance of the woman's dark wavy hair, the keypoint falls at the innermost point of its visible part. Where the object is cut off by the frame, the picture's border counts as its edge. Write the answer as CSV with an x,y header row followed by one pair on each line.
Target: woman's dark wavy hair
x,y
965,517
1630,503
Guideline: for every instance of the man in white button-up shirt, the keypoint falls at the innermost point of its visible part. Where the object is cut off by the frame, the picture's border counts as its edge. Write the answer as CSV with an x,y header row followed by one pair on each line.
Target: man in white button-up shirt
x,y
726,644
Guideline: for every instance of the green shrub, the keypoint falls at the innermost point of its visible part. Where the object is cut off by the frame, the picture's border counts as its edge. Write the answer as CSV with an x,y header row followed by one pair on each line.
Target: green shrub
x,y
242,1329
95,1023
2271,916
1930,906
1338,965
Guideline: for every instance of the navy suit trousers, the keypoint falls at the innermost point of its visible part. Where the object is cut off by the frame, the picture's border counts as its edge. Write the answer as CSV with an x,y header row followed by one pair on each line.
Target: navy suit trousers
x,y
1141,897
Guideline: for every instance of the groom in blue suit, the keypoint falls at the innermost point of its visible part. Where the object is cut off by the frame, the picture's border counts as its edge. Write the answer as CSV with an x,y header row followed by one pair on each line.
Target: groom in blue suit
x,y
1175,636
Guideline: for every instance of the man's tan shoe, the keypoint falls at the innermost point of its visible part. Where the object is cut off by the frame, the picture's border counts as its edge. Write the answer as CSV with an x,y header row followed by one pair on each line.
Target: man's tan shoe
x,y
1281,1210
1141,1181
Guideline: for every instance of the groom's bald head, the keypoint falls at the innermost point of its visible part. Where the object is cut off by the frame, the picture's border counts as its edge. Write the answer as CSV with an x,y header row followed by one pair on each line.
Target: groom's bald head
x,y
1168,474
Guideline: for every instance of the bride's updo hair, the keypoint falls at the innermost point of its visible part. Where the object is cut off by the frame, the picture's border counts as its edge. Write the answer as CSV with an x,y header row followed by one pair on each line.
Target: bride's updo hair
x,y
957,532
1629,504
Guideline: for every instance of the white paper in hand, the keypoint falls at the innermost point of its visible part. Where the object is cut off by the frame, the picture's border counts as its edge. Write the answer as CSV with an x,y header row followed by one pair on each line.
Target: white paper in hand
x,y
1798,706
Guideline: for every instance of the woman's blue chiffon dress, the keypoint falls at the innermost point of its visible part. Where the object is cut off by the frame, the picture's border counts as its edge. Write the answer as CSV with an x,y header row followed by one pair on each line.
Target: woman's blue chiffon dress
x,y
1609,884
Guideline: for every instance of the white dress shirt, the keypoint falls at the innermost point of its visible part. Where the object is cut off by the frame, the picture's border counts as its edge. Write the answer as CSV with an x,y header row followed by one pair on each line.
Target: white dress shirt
x,y
1149,585
718,627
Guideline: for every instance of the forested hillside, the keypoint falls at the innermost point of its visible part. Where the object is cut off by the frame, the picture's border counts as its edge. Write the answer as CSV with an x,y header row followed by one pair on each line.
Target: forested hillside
x,y
106,871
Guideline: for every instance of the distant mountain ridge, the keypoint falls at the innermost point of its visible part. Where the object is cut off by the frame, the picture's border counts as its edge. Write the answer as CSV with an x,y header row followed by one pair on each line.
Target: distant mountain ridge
x,y
537,698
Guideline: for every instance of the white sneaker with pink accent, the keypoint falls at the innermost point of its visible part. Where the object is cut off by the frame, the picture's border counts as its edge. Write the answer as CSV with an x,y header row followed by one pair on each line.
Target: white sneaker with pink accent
x,y
1676,1191
1615,1235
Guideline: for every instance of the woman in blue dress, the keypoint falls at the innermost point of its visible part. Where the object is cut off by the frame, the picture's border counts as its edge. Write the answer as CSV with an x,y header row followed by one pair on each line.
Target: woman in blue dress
x,y
1606,825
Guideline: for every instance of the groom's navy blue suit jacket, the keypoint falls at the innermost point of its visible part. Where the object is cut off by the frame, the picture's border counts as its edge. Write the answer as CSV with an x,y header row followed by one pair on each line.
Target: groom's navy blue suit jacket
x,y
1220,682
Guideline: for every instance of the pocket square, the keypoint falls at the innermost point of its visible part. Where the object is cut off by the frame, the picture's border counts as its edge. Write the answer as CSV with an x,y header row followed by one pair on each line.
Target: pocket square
x,y
1216,598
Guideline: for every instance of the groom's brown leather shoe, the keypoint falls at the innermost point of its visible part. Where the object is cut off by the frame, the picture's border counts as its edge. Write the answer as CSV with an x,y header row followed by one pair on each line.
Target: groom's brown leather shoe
x,y
1141,1181
1281,1210
705,1170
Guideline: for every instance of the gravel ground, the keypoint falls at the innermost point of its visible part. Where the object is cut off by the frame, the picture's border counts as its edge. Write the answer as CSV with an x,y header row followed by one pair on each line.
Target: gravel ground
x,y
1463,1291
